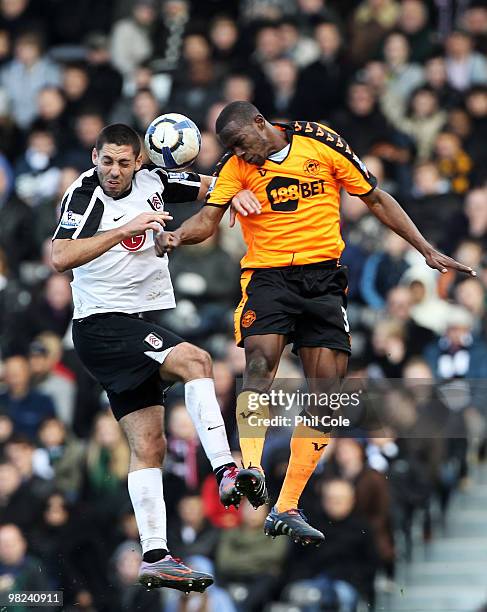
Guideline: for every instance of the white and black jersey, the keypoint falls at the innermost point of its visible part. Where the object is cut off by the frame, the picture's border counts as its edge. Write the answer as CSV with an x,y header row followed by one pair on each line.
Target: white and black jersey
x,y
129,277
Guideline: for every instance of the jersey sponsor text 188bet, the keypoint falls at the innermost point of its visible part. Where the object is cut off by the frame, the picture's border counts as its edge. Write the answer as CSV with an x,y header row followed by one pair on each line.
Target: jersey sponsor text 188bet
x,y
300,196
128,277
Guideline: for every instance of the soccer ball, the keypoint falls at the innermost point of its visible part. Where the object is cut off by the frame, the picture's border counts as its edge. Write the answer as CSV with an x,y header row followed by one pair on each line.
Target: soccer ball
x,y
172,141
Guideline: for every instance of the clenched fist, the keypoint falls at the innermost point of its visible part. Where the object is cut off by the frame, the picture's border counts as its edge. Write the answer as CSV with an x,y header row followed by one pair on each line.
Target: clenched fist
x,y
165,242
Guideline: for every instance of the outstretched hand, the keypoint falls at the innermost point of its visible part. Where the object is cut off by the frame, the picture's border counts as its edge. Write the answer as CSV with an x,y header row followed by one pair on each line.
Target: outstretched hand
x,y
244,203
443,263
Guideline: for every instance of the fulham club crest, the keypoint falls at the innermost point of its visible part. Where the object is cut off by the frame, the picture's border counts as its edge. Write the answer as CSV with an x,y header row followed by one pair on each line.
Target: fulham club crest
x,y
155,201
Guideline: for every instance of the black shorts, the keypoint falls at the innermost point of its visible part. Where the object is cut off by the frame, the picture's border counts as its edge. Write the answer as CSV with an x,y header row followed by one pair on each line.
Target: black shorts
x,y
124,353
305,303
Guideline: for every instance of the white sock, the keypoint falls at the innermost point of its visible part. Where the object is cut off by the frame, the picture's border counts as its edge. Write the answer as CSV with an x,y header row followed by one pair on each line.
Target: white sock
x,y
206,415
146,494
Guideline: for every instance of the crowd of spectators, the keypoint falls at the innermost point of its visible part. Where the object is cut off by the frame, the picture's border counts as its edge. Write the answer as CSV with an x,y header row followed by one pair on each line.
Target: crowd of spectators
x,y
405,83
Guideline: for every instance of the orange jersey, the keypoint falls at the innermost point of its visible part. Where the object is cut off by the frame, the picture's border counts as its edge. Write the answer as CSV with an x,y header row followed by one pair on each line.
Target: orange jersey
x,y
300,197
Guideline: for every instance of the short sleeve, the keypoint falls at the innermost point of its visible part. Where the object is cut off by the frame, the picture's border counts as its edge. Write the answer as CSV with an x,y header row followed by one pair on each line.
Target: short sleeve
x,y
181,186
81,209
177,186
350,170
227,184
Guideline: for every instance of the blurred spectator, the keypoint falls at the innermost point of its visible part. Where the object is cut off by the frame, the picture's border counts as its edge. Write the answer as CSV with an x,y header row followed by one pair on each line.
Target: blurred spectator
x,y
18,570
214,598
342,571
237,87
19,503
387,349
320,103
364,126
52,378
370,23
25,406
474,20
87,126
15,222
470,294
458,354
37,171
413,22
436,77
66,455
195,85
46,214
51,311
428,309
283,77
192,534
452,161
26,75
51,109
184,465
145,108
422,121
403,76
399,303
384,269
105,81
465,67
132,38
224,37
76,84
127,595
210,154
302,50
19,15
247,558
432,205
107,458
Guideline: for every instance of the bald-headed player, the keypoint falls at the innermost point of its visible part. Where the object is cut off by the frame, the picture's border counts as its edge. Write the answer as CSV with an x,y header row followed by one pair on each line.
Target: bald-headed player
x,y
293,286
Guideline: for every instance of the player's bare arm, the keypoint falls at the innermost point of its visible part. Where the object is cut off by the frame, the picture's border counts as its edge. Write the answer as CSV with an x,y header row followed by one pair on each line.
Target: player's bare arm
x,y
202,225
197,228
68,253
390,213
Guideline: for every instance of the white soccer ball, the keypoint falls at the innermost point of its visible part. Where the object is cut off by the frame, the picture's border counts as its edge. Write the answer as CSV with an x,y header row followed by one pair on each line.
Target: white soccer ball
x,y
172,141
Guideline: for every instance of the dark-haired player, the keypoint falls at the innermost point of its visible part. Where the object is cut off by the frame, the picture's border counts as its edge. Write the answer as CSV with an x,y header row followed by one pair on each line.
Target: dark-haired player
x,y
105,234
293,287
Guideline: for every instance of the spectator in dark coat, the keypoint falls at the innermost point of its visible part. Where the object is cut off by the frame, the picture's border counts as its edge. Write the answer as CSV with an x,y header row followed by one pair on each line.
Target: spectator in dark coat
x,y
343,570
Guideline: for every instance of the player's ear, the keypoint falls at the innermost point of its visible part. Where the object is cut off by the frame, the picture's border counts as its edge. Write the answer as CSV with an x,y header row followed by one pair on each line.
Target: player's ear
x,y
138,162
94,156
260,121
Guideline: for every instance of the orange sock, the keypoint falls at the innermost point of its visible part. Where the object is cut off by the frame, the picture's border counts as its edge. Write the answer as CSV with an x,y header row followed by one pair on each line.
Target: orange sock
x,y
307,448
251,434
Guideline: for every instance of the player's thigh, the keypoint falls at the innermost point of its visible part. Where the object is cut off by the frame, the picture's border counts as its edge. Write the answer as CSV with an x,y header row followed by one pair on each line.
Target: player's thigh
x,y
266,307
148,393
122,352
323,367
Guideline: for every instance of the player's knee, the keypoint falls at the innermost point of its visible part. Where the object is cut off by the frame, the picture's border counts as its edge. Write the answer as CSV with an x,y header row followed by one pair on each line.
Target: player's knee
x,y
194,362
258,365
